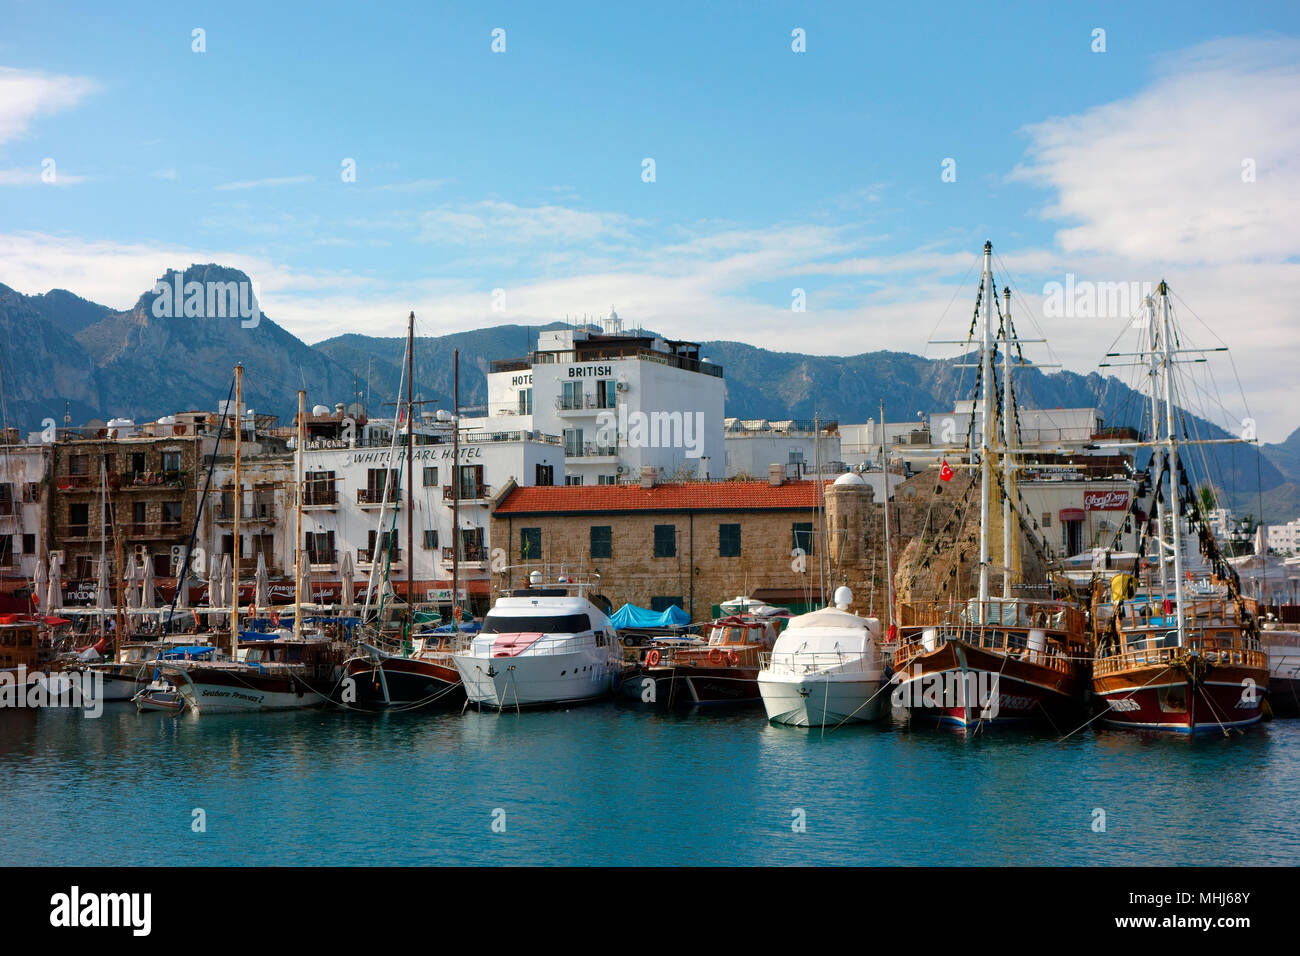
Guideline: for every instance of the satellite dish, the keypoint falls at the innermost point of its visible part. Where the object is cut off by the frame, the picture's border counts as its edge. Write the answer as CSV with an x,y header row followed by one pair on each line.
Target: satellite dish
x,y
96,423
356,410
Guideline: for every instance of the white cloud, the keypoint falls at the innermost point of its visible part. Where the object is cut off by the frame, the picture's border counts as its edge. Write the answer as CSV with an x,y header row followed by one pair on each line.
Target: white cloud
x,y
31,176
493,222
263,183
1158,176
27,94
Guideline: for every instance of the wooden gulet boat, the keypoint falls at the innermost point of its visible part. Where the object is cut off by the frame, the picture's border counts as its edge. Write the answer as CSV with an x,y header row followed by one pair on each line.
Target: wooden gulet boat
x,y
1190,664
990,661
420,671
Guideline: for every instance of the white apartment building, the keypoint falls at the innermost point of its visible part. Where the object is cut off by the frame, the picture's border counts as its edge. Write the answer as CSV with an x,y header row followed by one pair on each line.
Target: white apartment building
x,y
620,402
1284,538
22,483
754,445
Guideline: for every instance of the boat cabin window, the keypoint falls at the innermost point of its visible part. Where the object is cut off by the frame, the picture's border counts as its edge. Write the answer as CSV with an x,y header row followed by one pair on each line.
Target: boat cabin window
x,y
542,624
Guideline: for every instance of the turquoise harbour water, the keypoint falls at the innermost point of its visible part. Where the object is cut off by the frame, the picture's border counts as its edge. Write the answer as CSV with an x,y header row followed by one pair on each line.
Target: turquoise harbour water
x,y
613,784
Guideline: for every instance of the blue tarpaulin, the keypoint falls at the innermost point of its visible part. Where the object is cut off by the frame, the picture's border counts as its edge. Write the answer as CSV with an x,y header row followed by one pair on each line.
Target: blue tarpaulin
x,y
629,615
185,653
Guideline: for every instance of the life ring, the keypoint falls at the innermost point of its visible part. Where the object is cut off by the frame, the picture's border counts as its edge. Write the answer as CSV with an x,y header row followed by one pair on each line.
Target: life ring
x,y
716,655
733,658
653,658
457,612
196,617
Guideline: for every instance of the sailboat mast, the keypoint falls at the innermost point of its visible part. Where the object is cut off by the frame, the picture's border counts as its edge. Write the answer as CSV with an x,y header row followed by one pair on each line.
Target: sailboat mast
x,y
103,511
410,478
455,491
297,524
239,498
825,545
889,559
1156,451
1008,439
986,395
1166,333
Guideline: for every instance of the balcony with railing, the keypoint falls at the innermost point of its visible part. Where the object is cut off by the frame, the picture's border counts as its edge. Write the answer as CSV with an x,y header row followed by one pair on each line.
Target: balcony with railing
x,y
470,557
250,512
368,556
375,497
319,496
578,404
469,492
591,451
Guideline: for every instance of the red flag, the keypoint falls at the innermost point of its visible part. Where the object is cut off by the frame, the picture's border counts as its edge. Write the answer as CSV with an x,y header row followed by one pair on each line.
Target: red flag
x,y
946,472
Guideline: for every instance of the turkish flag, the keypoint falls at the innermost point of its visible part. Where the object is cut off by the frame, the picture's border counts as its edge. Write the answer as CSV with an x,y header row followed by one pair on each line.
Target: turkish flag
x,y
945,473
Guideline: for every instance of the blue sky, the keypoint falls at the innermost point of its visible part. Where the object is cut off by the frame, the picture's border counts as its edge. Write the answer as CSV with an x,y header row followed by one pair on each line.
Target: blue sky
x,y
774,170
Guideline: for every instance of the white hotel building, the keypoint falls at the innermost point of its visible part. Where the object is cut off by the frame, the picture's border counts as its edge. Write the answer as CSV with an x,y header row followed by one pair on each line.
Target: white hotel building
x,y
620,402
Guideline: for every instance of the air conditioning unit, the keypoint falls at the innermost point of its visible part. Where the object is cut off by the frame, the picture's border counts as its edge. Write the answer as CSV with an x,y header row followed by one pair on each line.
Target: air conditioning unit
x,y
621,386
178,553
57,554
141,552
622,469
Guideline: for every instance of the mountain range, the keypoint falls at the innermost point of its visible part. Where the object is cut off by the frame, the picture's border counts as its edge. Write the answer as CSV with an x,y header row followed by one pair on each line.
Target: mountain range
x,y
61,351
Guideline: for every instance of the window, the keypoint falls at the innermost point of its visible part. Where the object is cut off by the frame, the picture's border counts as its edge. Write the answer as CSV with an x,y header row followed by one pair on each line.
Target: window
x,y
171,512
471,481
139,514
6,550
545,475
387,545
571,395
430,538
573,479
29,544
171,461
573,443
602,541
729,540
6,498
318,488
606,479
471,544
665,541
32,491
530,544
431,477
137,462
79,464
78,519
664,602
494,623
525,401
375,492
320,547
803,536
606,394
1047,519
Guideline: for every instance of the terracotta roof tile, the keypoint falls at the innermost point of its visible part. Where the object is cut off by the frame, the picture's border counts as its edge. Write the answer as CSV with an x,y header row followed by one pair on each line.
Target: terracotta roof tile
x,y
689,496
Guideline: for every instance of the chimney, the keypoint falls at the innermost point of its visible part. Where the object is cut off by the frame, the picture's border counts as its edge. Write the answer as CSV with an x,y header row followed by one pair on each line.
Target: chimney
x,y
775,475
648,474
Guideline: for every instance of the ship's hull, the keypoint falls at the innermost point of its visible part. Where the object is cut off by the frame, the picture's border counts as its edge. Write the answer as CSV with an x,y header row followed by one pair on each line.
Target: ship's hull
x,y
668,686
1165,698
958,684
241,690
406,682
506,683
821,700
1284,682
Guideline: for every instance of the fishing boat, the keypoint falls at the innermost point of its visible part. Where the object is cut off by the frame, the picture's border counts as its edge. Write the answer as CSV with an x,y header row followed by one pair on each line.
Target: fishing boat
x,y
1175,656
159,695
414,671
722,668
825,668
544,644
992,660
